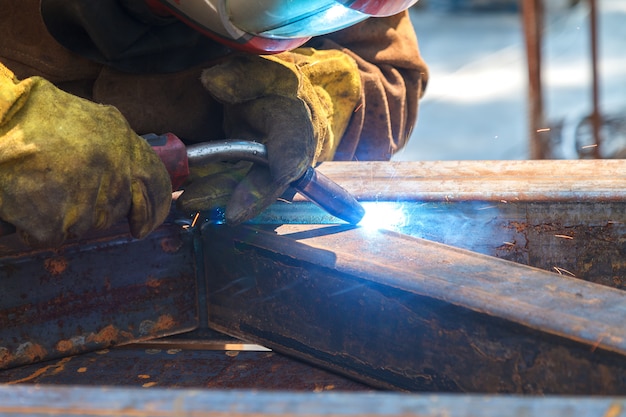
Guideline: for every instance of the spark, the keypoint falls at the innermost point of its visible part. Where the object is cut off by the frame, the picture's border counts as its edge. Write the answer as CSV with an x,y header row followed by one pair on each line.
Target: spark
x,y
545,129
595,345
195,219
564,237
595,145
561,270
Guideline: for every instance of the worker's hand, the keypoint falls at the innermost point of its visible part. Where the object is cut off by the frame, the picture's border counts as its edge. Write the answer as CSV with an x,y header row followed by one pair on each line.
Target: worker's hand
x,y
68,165
297,103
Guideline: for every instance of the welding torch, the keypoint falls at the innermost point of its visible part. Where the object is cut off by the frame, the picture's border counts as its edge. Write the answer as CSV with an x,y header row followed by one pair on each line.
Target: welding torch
x,y
178,158
313,185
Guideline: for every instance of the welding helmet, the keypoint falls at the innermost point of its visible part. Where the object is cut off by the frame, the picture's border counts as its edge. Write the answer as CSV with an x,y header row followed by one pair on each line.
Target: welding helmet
x,y
272,26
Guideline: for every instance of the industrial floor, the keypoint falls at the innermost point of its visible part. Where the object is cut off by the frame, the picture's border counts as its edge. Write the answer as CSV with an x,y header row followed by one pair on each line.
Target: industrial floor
x,y
475,107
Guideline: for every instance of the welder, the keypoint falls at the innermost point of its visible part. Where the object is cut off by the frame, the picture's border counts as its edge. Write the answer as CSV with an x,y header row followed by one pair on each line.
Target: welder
x,y
81,79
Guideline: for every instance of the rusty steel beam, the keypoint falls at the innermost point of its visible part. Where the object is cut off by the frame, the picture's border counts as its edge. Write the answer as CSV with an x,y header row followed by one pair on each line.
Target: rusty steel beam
x,y
82,401
406,313
95,293
563,216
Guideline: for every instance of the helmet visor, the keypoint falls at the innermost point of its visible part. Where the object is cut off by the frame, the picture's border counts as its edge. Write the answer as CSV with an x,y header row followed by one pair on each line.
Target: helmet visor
x,y
285,19
378,8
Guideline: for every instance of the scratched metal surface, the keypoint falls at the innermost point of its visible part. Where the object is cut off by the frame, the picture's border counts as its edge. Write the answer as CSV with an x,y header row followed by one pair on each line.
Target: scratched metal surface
x,y
95,293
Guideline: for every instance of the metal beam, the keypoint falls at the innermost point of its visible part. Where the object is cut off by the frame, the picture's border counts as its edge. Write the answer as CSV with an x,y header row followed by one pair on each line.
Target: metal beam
x,y
405,313
95,293
174,365
81,401
401,312
567,217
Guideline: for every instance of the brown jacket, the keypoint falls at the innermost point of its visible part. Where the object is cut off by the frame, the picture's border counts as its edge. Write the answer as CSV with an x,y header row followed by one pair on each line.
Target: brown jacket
x,y
393,76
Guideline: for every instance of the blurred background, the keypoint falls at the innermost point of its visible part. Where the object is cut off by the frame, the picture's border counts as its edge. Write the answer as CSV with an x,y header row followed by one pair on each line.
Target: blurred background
x,y
476,105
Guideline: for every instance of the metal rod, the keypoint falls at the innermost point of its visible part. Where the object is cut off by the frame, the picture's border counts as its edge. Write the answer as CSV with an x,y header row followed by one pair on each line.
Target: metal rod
x,y
596,118
532,21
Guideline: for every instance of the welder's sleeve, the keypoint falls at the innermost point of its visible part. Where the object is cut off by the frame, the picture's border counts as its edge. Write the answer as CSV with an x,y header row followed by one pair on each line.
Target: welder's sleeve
x,y
68,165
125,35
393,76
297,103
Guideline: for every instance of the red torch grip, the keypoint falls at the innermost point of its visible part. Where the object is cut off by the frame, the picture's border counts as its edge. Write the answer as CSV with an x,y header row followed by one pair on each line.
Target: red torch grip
x,y
173,154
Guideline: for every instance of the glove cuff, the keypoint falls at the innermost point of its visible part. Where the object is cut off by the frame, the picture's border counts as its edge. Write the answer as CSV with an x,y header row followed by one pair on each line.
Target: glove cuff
x,y
336,80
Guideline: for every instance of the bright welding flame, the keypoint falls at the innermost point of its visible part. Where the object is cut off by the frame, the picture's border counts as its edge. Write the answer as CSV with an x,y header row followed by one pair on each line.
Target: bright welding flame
x,y
383,215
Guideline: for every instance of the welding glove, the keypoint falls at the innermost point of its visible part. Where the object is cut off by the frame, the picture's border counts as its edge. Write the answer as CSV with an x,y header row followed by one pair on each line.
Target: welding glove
x,y
68,165
297,103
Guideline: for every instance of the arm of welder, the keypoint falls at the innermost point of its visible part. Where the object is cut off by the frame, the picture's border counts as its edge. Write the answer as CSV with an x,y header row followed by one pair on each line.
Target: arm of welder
x,y
393,76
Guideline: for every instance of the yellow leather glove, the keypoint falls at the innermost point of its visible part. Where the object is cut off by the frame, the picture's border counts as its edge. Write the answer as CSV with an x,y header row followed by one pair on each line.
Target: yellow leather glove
x,y
68,165
297,103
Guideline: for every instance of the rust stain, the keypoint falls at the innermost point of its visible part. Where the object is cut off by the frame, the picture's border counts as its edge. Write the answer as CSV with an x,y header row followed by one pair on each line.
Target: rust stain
x,y
106,336
152,282
27,352
171,245
165,322
64,346
109,335
60,365
55,266
149,327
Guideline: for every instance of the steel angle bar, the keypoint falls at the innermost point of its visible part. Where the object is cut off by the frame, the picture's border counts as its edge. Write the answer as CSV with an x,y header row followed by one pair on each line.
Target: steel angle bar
x,y
405,313
99,292
584,239
567,217
553,180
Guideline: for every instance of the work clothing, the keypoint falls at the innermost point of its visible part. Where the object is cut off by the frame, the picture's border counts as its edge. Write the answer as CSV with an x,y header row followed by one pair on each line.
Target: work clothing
x,y
150,68
168,57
